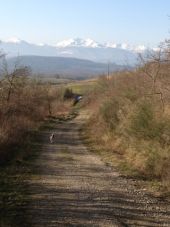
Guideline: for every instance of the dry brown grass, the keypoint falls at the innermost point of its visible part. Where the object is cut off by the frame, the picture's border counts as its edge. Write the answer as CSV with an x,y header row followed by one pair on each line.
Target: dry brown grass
x,y
131,120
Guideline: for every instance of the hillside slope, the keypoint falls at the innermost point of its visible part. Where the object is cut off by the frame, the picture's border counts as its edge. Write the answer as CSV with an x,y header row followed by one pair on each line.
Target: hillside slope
x,y
65,67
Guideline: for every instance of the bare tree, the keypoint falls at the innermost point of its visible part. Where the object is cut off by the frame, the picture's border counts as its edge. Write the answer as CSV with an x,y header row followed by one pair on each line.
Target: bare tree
x,y
152,68
14,80
49,97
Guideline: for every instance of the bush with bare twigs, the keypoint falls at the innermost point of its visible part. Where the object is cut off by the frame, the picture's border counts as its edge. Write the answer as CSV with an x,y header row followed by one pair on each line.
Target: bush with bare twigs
x,y
24,103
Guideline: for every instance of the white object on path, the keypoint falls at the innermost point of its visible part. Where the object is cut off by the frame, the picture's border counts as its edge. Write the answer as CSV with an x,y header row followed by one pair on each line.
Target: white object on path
x,y
52,138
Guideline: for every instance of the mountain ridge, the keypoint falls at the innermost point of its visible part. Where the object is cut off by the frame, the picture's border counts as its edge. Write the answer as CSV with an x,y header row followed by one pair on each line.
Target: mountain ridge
x,y
121,54
64,67
79,42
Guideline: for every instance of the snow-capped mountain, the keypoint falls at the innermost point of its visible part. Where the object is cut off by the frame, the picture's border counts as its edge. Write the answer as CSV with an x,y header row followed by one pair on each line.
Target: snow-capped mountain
x,y
93,44
78,43
12,40
77,48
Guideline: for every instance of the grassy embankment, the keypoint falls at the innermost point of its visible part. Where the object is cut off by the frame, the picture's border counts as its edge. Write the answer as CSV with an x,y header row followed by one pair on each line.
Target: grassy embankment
x,y
130,124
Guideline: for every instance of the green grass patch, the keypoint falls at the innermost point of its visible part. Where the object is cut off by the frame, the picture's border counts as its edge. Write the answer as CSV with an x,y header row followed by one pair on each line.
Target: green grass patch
x,y
82,87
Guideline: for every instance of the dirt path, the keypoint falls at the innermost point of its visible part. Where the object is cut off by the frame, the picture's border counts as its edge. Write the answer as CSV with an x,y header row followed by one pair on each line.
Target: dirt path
x,y
73,187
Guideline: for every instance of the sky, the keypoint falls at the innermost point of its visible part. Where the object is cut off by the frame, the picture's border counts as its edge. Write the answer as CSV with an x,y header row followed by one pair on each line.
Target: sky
x,y
121,21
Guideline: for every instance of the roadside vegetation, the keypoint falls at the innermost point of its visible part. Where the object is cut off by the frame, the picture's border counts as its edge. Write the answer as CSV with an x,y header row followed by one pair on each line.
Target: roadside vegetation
x,y
24,105
130,121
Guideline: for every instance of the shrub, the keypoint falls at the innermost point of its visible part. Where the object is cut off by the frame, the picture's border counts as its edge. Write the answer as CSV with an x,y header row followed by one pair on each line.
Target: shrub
x,y
146,123
109,112
149,158
131,95
68,94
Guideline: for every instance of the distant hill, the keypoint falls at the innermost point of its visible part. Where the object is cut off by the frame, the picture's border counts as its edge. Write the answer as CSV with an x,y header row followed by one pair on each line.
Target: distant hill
x,y
65,67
